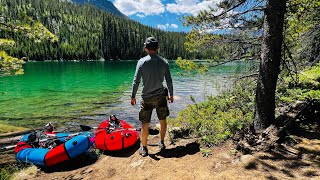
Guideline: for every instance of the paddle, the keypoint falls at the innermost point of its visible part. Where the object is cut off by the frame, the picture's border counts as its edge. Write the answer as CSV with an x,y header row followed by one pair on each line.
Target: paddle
x,y
6,148
3,149
88,128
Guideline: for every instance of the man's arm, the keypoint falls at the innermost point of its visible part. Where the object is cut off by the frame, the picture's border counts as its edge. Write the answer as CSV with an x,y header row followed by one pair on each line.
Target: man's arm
x,y
169,82
135,83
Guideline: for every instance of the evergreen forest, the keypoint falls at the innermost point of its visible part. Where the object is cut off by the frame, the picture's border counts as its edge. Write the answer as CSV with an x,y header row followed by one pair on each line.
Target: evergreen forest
x,y
84,32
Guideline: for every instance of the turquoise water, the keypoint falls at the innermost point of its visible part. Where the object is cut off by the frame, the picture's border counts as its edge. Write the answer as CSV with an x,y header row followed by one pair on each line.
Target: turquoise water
x,y
89,91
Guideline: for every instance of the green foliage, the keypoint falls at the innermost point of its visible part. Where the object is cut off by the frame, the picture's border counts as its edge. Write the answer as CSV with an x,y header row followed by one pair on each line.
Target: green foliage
x,y
6,42
207,44
307,87
205,152
302,30
8,170
39,32
311,77
220,117
197,40
85,32
4,128
27,27
300,17
229,31
4,174
10,65
190,66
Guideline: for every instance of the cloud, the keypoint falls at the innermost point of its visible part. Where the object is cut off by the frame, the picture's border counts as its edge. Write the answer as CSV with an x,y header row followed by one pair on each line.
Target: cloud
x,y
174,26
191,6
166,26
143,7
161,26
141,15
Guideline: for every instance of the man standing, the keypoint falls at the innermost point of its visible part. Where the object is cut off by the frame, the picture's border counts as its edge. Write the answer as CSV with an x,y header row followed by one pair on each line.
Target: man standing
x,y
153,69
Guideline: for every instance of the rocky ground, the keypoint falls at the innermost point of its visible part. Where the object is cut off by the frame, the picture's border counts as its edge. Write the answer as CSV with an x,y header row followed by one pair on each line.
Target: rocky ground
x,y
299,158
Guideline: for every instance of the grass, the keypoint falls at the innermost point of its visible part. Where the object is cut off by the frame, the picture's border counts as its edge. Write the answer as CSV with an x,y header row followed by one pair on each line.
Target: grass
x,y
24,173
17,171
4,128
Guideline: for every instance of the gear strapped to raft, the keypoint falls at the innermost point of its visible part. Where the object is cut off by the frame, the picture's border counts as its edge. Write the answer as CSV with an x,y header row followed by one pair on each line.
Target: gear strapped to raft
x,y
50,148
114,134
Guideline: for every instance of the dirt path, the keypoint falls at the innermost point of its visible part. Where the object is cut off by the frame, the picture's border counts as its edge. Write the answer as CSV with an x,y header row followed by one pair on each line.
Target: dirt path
x,y
185,160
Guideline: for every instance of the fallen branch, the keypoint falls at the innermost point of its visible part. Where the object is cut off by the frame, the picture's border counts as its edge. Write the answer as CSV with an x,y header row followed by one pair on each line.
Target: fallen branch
x,y
13,134
249,75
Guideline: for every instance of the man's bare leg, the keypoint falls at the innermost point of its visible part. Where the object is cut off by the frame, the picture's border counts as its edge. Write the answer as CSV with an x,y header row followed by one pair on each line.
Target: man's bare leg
x,y
145,134
163,129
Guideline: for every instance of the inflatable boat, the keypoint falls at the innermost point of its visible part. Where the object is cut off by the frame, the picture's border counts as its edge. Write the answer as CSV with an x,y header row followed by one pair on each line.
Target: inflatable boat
x,y
114,134
50,148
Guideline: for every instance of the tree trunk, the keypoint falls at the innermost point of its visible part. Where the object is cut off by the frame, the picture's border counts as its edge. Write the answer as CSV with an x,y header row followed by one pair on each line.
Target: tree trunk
x,y
270,63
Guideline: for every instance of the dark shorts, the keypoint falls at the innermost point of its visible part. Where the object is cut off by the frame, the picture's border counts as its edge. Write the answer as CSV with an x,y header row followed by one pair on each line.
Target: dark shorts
x,y
148,104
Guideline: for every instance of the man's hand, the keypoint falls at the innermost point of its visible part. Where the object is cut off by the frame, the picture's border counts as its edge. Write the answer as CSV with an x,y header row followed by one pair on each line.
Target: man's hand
x,y
133,101
170,99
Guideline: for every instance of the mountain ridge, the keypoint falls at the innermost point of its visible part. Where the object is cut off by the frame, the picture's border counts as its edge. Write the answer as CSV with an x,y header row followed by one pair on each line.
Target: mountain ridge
x,y
102,4
86,32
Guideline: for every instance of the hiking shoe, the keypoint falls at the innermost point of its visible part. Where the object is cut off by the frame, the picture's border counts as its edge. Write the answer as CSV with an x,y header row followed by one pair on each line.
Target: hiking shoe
x,y
143,151
161,145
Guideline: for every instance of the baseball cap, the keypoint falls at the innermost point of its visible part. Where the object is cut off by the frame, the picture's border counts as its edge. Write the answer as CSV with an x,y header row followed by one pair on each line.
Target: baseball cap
x,y
151,42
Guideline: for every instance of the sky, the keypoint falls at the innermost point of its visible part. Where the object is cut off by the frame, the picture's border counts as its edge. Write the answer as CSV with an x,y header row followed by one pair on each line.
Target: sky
x,y
163,14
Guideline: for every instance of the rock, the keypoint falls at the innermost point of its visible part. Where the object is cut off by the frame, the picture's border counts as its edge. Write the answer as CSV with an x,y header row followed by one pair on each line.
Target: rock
x,y
218,165
298,104
137,164
77,176
226,156
235,161
248,160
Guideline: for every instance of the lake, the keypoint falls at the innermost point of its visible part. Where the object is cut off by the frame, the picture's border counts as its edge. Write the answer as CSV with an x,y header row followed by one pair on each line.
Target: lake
x,y
66,92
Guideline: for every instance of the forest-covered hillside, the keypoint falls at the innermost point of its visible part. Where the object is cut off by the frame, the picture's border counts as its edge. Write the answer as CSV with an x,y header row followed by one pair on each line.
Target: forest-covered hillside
x,y
102,4
84,32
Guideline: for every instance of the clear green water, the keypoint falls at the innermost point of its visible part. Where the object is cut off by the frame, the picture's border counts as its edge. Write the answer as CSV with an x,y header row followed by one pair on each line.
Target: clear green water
x,y
87,92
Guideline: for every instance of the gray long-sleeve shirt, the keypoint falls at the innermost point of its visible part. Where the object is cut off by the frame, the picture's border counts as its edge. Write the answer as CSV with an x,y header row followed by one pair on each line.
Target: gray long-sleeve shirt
x,y
153,69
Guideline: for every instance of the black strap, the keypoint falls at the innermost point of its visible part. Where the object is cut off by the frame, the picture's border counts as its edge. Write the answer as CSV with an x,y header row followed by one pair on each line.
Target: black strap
x,y
122,139
105,142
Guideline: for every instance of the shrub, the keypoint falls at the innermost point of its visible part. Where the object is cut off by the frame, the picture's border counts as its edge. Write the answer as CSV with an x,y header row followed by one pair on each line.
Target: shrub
x,y
308,86
220,117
